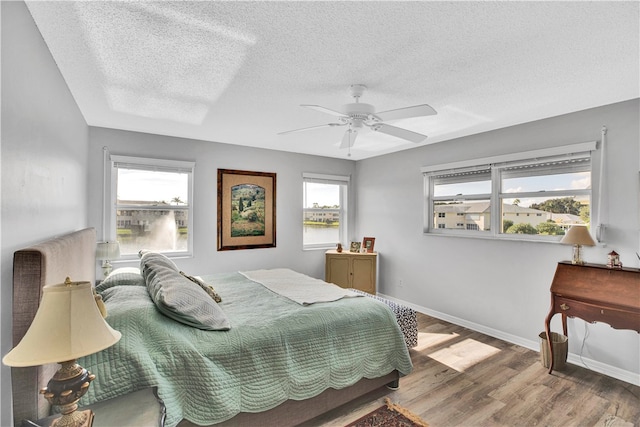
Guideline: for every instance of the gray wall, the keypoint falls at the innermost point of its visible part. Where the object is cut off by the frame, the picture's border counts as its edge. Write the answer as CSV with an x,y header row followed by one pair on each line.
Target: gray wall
x,y
502,287
209,157
44,158
52,183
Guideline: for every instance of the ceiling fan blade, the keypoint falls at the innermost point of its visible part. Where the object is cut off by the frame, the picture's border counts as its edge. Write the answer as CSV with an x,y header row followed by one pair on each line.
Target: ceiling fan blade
x,y
348,138
311,127
407,112
324,110
399,132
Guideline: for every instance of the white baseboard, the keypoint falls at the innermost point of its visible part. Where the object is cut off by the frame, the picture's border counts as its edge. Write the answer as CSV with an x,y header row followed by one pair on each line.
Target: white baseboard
x,y
594,365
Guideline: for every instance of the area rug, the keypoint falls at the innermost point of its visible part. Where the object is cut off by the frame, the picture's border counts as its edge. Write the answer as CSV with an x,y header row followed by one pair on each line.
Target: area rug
x,y
389,415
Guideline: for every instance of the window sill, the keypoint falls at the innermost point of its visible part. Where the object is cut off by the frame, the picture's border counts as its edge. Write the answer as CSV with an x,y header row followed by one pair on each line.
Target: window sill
x,y
170,255
531,239
319,248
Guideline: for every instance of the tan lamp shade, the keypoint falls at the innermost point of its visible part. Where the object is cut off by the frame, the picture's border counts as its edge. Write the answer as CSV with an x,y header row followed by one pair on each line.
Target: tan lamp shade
x,y
67,325
578,235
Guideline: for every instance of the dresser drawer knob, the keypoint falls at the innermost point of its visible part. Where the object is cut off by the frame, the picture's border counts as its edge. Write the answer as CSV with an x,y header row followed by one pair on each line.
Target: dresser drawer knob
x,y
564,306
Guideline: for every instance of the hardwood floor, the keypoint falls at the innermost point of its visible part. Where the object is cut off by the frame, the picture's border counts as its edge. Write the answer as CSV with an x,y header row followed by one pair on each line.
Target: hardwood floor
x,y
465,378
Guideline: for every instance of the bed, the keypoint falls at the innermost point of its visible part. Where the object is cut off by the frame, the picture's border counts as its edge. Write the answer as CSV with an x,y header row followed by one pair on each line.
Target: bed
x,y
296,379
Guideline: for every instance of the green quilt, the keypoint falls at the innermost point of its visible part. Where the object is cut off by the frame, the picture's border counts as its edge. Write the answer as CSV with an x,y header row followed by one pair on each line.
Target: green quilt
x,y
275,350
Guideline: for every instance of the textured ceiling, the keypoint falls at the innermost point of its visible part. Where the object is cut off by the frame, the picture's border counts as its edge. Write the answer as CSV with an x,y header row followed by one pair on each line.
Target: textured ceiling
x,y
237,72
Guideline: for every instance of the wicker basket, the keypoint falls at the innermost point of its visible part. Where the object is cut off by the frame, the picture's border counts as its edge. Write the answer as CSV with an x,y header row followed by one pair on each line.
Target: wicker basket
x,y
560,345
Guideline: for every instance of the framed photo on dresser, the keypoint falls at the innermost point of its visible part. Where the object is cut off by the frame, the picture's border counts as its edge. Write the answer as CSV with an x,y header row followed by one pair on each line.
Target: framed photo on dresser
x,y
367,243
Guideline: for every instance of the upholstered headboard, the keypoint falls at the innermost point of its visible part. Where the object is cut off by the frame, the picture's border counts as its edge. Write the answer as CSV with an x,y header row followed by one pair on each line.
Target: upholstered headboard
x,y
47,263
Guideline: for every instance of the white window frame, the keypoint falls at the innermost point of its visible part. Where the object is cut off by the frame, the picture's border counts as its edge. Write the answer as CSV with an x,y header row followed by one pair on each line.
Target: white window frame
x,y
497,164
344,183
148,164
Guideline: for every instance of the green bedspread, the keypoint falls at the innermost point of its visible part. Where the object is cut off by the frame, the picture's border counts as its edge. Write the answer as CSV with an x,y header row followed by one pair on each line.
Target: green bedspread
x,y
275,350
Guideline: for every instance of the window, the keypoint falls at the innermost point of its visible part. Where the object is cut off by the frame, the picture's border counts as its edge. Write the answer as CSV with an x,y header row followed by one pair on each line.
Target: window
x,y
538,194
324,219
557,190
152,205
462,193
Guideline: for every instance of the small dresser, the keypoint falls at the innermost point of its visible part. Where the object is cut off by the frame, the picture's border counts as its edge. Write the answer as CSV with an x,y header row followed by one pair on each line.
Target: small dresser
x,y
351,270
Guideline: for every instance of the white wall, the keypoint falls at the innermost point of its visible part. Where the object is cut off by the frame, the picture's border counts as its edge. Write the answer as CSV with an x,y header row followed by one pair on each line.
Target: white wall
x,y
502,287
209,157
44,159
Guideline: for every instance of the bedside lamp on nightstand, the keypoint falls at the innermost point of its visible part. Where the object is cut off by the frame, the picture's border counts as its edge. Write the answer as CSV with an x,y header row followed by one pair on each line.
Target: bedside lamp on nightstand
x,y
107,251
67,325
578,236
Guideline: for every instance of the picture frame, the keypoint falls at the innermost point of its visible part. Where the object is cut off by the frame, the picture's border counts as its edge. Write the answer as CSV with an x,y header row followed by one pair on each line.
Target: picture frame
x,y
246,209
368,243
355,247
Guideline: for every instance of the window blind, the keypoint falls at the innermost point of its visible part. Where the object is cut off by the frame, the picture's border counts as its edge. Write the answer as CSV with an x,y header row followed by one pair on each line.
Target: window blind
x,y
148,164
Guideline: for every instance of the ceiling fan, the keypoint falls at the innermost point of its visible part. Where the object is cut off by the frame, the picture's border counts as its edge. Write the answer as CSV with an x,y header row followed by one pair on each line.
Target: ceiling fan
x,y
357,115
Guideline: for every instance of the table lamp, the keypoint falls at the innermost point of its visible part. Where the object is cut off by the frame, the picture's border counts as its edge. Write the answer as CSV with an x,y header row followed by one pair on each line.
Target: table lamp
x,y
578,236
107,251
67,325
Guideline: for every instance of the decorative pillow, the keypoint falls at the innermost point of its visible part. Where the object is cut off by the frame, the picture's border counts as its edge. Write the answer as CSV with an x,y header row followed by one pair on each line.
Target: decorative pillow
x,y
124,276
180,299
155,258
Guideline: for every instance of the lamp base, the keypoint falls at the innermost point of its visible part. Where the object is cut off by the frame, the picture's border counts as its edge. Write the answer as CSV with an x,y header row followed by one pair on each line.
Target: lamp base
x,y
577,255
107,268
66,387
75,419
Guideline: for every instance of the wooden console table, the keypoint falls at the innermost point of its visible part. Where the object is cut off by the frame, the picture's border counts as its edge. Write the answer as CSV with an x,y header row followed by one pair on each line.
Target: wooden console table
x,y
594,293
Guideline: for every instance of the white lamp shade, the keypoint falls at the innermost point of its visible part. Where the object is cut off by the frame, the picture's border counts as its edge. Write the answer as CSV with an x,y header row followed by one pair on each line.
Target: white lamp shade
x,y
108,250
578,235
67,325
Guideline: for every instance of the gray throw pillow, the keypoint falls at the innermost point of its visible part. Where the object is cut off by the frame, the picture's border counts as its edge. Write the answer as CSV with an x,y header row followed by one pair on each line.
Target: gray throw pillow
x,y
179,298
124,276
155,258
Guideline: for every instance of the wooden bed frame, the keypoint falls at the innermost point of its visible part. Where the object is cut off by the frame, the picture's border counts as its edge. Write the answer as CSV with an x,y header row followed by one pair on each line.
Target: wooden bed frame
x,y
73,255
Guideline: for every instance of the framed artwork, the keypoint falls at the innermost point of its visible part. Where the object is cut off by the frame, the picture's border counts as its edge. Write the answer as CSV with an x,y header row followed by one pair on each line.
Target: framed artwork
x,y
367,243
246,209
355,247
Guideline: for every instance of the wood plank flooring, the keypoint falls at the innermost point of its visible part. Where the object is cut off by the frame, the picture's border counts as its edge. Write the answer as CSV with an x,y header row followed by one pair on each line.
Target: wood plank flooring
x,y
465,378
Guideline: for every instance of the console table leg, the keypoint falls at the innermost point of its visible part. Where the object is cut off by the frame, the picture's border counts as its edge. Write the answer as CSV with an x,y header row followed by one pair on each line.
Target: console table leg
x,y
547,330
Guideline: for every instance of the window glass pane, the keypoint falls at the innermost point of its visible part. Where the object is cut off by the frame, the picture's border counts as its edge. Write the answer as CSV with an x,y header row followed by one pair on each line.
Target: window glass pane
x,y
321,213
152,210
543,215
453,183
136,185
461,188
156,230
556,182
460,215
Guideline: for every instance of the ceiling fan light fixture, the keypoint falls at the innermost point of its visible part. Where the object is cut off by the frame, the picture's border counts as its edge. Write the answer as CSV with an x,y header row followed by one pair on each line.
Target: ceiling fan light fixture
x,y
358,108
359,114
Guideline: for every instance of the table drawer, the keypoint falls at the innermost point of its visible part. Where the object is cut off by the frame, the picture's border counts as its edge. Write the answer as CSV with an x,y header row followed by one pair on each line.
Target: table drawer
x,y
617,317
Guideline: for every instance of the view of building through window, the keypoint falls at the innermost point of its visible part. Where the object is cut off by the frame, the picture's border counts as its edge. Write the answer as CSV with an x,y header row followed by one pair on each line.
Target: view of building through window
x,y
152,210
322,212
537,197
